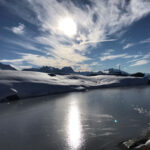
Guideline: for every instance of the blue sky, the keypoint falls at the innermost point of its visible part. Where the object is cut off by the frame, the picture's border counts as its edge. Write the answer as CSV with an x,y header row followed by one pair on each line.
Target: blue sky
x,y
84,34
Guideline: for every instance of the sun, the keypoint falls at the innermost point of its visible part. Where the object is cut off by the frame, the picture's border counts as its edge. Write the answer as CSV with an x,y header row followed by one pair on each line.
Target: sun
x,y
67,26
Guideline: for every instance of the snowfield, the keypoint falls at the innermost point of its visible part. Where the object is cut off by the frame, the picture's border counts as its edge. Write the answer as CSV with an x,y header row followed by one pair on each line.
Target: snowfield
x,y
25,84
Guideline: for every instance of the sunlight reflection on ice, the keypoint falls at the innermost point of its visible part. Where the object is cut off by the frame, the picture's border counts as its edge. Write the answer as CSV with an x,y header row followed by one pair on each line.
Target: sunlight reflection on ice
x,y
74,130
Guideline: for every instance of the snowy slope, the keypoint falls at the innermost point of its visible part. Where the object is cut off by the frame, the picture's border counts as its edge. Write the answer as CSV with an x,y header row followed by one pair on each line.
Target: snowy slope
x,y
27,83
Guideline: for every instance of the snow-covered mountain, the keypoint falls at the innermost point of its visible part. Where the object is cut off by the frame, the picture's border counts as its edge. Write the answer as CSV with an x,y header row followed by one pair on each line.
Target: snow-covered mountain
x,y
64,70
49,69
6,67
112,71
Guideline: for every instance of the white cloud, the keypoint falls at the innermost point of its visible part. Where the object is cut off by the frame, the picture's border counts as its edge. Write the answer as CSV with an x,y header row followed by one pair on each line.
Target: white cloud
x,y
112,16
12,60
145,41
112,57
38,60
20,67
109,56
18,29
24,67
100,41
123,41
133,60
25,45
146,56
128,45
140,62
94,64
108,52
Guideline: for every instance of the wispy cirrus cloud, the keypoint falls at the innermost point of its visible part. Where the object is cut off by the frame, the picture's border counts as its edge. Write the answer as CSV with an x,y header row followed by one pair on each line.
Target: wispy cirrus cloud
x,y
140,62
94,21
17,29
109,55
34,59
145,41
108,52
112,57
128,45
133,44
25,45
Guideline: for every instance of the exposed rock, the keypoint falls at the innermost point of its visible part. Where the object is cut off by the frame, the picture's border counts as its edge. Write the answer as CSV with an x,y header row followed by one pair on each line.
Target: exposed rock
x,y
148,81
6,67
52,74
142,143
67,70
138,74
12,97
63,71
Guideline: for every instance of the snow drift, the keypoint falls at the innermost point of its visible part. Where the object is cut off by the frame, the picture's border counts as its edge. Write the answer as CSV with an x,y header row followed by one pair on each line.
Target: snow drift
x,y
24,84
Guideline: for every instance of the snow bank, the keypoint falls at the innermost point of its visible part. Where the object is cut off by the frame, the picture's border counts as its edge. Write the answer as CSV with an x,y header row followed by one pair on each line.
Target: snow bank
x,y
27,83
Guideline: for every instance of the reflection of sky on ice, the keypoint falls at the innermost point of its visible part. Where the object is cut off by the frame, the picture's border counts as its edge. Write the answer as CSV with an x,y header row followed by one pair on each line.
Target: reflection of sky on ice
x,y
81,120
77,127
103,125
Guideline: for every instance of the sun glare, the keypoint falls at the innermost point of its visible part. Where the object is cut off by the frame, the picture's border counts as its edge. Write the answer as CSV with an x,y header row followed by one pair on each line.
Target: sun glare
x,y
75,137
67,26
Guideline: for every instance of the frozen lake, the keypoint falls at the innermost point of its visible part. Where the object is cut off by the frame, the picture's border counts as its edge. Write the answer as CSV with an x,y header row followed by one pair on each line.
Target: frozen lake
x,y
93,120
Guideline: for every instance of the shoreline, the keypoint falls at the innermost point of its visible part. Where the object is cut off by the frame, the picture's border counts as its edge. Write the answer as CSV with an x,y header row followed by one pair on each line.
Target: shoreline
x,y
139,143
25,84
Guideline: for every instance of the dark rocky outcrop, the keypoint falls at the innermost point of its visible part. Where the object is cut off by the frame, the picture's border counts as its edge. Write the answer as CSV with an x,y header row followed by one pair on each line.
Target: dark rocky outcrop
x,y
67,70
6,67
11,98
138,74
140,143
52,70
52,74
